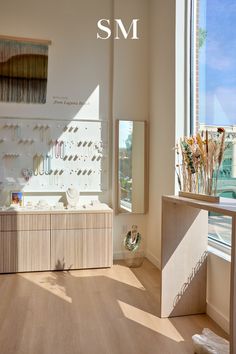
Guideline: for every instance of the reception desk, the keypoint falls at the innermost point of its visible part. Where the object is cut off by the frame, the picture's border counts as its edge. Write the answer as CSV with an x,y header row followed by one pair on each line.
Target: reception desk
x,y
184,257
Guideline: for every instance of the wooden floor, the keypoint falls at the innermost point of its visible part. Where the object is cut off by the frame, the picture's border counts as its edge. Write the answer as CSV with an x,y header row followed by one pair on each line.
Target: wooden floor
x,y
104,311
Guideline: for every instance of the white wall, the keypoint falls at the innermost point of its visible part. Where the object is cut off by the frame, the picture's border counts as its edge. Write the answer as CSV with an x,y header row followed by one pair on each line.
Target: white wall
x,y
167,111
131,92
218,290
113,84
162,116
78,62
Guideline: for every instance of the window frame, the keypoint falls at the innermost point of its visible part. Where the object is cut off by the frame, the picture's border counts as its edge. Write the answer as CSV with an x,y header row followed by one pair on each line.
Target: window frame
x,y
215,246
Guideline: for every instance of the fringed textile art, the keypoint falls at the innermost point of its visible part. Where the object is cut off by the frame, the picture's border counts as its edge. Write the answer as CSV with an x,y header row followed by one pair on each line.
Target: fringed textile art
x,y
23,72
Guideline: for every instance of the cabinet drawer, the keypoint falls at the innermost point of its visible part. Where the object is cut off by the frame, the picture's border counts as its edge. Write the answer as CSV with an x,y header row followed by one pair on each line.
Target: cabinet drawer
x,y
1,252
68,221
97,248
75,249
99,221
25,251
28,222
81,221
67,249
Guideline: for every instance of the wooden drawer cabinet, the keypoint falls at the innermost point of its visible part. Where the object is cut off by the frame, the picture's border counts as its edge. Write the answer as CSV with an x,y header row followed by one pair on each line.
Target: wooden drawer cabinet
x,y
25,251
33,250
1,252
26,222
97,248
55,241
99,221
9,243
67,249
75,249
81,221
68,221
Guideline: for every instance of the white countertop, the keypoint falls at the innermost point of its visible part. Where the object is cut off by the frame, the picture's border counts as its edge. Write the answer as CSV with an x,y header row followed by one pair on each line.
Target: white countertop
x,y
96,208
226,206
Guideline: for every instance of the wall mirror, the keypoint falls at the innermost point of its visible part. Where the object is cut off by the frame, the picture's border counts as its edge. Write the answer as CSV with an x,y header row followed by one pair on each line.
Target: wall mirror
x,y
131,166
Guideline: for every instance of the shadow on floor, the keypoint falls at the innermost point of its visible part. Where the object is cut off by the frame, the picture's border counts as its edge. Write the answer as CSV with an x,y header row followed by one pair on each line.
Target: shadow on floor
x,y
101,311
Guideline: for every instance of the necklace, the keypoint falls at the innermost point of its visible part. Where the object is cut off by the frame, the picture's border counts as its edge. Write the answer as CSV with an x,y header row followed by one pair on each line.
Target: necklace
x,y
57,149
47,164
62,149
35,165
41,168
132,240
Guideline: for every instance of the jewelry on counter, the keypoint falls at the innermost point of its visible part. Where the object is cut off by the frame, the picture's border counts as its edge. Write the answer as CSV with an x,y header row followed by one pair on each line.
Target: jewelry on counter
x,y
29,205
42,204
59,206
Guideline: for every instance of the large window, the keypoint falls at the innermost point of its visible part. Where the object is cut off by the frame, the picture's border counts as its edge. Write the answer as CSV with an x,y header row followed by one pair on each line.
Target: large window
x,y
213,90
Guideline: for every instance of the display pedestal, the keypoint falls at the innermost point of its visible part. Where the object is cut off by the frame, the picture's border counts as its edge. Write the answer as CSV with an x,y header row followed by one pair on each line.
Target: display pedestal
x,y
184,257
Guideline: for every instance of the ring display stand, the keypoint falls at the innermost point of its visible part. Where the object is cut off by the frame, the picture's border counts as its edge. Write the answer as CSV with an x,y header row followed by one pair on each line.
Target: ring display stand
x,y
72,197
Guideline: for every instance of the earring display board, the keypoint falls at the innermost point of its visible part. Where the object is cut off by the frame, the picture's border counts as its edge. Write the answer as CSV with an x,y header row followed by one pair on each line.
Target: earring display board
x,y
40,155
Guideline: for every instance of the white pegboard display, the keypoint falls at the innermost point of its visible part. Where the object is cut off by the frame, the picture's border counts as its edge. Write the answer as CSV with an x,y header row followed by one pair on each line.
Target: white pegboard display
x,y
53,155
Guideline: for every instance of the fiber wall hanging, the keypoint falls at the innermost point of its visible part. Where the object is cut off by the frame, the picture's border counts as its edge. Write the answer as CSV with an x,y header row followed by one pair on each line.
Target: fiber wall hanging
x,y
23,71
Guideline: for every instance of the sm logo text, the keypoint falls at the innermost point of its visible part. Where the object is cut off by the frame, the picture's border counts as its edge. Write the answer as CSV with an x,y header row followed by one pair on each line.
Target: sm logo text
x,y
119,29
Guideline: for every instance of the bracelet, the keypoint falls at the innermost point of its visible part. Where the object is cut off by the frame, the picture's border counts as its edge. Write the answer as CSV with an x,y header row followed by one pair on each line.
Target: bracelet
x,y
35,165
62,149
57,149
41,168
47,164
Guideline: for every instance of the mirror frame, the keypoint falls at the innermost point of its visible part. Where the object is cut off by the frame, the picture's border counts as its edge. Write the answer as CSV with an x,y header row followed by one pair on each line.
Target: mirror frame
x,y
118,208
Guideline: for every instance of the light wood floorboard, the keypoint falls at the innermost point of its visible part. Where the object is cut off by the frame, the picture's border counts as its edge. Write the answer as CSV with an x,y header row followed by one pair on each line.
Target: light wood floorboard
x,y
100,311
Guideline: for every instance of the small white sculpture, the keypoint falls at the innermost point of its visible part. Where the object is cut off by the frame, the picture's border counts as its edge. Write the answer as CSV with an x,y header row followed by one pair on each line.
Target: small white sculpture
x,y
72,197
209,343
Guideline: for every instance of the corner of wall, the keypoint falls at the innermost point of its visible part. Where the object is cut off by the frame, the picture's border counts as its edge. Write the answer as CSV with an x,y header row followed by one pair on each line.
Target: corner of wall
x,y
162,117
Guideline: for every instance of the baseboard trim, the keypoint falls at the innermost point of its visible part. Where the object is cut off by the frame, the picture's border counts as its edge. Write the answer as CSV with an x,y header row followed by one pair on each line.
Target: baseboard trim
x,y
153,259
218,317
118,255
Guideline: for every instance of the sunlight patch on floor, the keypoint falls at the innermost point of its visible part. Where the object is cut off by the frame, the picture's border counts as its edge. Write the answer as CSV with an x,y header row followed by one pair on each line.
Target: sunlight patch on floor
x,y
160,325
55,282
118,273
48,282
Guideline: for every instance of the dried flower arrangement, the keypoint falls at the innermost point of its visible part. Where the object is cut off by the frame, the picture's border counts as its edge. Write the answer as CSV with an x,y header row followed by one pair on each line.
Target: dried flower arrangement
x,y
199,159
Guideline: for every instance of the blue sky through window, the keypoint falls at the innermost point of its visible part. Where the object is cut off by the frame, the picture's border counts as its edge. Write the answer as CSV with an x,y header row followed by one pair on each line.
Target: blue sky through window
x,y
217,63
125,129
